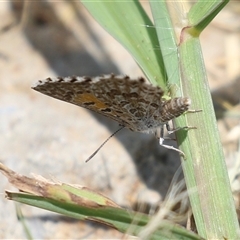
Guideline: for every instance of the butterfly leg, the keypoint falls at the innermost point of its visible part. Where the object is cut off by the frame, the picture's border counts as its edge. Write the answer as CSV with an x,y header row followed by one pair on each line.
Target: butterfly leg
x,y
170,131
194,111
161,140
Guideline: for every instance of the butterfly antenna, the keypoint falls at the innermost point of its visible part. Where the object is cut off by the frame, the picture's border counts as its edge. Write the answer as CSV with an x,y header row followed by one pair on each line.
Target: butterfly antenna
x,y
92,155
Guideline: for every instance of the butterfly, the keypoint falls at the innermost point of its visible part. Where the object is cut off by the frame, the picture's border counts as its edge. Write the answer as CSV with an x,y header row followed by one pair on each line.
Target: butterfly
x,y
133,103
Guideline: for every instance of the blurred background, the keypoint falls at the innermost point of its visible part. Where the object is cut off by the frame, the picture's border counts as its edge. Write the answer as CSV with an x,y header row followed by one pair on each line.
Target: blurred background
x,y
42,135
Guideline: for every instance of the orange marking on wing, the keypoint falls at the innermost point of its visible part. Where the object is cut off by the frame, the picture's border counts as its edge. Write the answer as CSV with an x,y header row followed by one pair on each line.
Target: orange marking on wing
x,y
88,97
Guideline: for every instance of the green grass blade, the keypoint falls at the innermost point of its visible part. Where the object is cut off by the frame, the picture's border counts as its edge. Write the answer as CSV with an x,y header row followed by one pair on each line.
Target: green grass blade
x,y
21,219
118,218
167,40
203,12
126,21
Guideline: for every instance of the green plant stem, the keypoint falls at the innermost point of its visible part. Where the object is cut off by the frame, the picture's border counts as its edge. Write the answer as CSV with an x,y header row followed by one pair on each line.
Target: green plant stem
x,y
204,167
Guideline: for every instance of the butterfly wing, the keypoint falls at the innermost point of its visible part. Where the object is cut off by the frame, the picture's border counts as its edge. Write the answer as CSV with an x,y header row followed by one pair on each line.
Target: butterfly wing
x,y
133,103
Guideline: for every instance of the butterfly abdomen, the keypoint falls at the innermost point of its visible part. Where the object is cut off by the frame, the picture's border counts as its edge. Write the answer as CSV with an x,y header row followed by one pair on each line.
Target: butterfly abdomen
x,y
173,108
